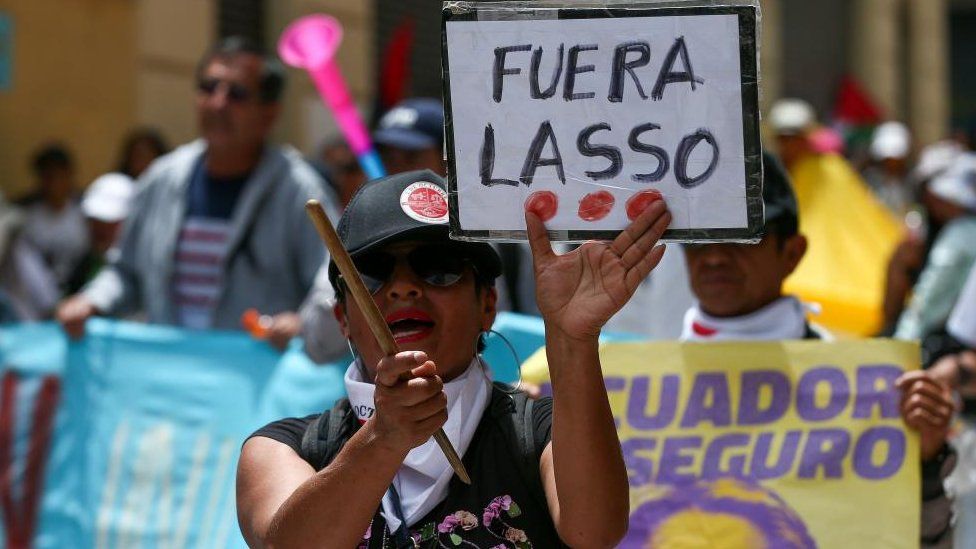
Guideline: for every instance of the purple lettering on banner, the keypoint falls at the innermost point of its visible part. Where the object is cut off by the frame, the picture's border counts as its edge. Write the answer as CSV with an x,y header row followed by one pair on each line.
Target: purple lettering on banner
x,y
806,393
752,386
869,394
718,411
712,466
613,385
672,459
825,448
864,450
640,470
760,468
637,415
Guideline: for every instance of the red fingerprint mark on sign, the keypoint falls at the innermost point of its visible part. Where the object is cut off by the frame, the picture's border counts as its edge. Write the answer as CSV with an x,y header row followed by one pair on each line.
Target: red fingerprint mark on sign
x,y
640,202
543,204
595,206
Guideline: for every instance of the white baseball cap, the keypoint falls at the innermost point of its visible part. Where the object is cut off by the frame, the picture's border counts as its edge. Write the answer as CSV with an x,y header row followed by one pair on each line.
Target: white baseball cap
x,y
957,183
108,197
935,159
792,116
890,140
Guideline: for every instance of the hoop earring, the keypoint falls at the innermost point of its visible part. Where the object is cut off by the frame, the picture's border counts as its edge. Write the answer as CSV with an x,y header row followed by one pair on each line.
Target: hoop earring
x,y
483,336
358,360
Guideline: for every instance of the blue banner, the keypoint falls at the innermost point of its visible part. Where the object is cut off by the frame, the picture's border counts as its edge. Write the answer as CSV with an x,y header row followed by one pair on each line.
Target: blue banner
x,y
148,435
131,436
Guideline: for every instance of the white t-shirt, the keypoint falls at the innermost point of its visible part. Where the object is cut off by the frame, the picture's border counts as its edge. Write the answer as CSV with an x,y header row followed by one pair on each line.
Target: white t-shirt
x,y
60,237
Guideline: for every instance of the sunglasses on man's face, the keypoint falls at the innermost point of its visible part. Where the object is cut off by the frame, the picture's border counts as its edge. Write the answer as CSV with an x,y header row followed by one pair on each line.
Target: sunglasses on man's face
x,y
236,93
438,266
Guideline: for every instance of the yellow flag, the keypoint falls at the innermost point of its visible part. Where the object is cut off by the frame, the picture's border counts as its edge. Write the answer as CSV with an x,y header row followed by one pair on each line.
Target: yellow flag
x,y
851,237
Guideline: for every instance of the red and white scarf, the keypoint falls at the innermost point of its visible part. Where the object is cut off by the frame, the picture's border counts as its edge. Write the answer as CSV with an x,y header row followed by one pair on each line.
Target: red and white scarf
x,y
784,318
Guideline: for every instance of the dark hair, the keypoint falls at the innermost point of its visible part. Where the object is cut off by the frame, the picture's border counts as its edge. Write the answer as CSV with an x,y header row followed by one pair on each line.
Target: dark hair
x,y
51,156
272,71
783,226
149,135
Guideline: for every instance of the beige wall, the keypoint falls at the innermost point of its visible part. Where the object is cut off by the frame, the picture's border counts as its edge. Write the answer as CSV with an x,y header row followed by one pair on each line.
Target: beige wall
x,y
72,81
172,36
928,65
770,64
877,56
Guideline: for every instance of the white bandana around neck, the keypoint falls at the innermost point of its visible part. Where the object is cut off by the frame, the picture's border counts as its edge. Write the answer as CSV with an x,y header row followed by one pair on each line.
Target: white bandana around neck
x,y
784,318
422,480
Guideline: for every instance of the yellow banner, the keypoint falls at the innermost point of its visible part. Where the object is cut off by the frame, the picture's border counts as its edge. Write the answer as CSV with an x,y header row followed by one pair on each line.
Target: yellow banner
x,y
780,444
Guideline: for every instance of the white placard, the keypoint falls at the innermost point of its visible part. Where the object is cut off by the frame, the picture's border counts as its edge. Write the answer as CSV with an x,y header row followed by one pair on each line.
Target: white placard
x,y
637,103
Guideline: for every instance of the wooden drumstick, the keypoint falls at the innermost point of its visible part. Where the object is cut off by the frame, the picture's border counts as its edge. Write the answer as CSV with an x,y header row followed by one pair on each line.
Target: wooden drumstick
x,y
374,319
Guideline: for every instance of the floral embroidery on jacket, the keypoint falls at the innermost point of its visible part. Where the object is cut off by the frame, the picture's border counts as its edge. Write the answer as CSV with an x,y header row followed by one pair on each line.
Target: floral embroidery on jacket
x,y
447,534
494,523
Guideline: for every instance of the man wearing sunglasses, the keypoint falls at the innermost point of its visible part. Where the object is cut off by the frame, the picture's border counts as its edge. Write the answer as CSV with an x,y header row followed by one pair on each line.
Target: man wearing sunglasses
x,y
219,227
739,288
380,481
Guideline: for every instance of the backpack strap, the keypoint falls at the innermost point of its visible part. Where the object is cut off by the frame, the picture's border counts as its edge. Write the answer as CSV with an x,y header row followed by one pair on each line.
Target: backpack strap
x,y
513,411
327,434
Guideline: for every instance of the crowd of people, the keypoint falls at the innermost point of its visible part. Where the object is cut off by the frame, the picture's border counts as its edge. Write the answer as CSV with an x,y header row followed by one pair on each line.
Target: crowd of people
x,y
52,240
202,235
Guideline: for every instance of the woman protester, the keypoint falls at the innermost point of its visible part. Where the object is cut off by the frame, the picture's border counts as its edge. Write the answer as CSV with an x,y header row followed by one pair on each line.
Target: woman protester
x,y
544,473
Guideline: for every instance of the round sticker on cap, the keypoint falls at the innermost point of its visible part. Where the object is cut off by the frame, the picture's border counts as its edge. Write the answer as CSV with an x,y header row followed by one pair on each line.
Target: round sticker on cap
x,y
424,202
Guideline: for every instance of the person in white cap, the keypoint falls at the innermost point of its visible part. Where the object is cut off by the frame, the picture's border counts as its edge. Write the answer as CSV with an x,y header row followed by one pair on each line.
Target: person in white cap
x,y
106,204
888,173
950,199
792,120
907,260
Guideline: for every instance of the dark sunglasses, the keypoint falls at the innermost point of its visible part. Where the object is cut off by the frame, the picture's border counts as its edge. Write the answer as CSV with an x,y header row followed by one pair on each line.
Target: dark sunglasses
x,y
439,266
236,93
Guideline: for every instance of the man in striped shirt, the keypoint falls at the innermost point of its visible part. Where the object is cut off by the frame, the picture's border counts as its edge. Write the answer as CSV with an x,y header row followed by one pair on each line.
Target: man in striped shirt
x,y
218,226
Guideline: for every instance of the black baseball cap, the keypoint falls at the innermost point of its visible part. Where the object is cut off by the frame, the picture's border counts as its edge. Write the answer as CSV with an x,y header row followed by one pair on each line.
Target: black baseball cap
x,y
413,124
779,199
406,206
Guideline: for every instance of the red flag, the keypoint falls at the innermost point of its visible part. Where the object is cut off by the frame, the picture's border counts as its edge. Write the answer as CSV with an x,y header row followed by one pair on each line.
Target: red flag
x,y
395,72
853,105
